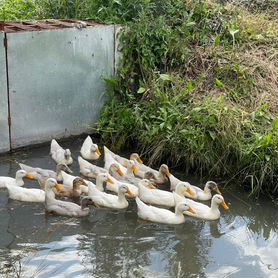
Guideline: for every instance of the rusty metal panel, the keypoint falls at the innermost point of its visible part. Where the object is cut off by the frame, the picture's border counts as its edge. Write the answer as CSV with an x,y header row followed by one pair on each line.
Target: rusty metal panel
x,y
4,127
56,81
39,25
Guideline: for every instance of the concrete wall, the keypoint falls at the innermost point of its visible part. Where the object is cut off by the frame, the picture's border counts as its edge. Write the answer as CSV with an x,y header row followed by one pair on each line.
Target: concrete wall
x,y
56,85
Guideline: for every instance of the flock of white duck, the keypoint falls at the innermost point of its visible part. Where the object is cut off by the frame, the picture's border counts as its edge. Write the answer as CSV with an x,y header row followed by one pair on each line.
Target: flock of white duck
x,y
121,178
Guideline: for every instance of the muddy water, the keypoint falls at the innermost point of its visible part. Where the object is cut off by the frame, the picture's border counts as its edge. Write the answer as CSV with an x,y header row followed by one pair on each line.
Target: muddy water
x,y
243,243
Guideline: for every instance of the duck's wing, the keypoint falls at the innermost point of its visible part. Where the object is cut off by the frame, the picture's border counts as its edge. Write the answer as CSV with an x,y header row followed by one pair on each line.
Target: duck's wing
x,y
152,213
196,205
196,188
4,181
62,208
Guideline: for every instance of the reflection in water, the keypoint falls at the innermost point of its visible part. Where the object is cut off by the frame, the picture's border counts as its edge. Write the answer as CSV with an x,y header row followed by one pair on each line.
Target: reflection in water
x,y
243,243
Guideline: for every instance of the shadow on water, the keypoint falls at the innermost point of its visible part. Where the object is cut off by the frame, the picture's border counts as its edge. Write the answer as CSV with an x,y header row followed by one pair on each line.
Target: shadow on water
x,y
243,243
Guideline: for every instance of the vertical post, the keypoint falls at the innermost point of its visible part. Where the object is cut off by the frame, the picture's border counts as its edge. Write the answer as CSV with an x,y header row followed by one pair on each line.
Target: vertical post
x,y
8,88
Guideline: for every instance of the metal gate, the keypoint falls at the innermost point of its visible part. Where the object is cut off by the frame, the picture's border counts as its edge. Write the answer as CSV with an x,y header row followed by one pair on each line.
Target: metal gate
x,y
55,79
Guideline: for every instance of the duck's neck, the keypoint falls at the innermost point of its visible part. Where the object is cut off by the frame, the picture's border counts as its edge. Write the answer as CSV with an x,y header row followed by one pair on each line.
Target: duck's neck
x,y
19,181
90,189
129,171
99,184
121,196
178,213
207,191
214,206
59,173
67,157
49,195
76,190
178,190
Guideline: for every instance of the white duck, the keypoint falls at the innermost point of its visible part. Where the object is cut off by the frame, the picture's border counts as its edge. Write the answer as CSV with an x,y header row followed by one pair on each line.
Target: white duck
x,y
45,172
59,155
161,197
160,215
103,199
202,211
109,159
17,181
19,193
61,207
89,150
88,169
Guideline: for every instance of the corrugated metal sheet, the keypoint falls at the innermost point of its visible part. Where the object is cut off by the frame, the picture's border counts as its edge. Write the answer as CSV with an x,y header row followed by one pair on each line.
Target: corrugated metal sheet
x,y
4,128
56,81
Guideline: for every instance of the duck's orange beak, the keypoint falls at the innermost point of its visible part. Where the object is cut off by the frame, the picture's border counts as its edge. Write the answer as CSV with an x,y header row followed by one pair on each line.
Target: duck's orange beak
x,y
110,181
130,194
58,187
119,171
98,152
224,205
29,177
168,174
189,191
151,186
191,210
134,169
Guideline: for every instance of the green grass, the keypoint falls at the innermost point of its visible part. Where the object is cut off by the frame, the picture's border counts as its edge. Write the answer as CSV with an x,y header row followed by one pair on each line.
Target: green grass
x,y
196,89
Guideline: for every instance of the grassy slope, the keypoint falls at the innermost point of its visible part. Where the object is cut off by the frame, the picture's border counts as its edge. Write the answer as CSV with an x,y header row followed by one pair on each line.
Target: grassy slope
x,y
197,89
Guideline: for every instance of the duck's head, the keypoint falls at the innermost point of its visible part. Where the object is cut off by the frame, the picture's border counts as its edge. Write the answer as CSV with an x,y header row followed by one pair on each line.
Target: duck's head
x,y
51,183
125,190
77,182
67,153
136,157
149,175
20,174
63,167
104,177
219,200
131,165
114,168
146,183
184,208
183,188
94,149
163,169
86,201
212,186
